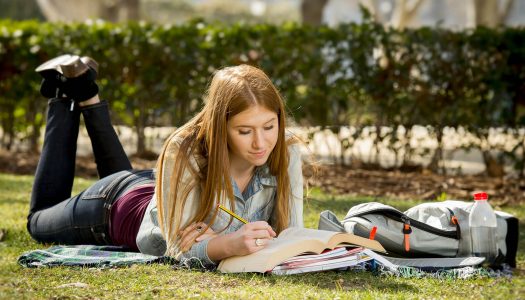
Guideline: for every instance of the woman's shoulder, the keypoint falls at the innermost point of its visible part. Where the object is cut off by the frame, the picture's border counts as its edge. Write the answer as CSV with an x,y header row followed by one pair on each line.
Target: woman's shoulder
x,y
179,140
294,144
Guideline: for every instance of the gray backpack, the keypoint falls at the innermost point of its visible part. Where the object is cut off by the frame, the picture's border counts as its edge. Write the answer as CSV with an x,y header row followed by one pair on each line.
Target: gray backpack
x,y
436,229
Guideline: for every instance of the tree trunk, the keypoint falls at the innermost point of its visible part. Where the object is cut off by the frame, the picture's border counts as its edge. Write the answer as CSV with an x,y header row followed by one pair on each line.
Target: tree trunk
x,y
407,156
487,13
10,128
403,13
493,167
109,11
66,10
522,162
373,7
3,137
140,124
312,11
377,142
80,10
131,9
36,125
438,153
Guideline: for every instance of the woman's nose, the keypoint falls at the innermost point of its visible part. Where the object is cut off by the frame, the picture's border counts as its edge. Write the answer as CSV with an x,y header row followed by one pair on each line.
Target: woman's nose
x,y
258,140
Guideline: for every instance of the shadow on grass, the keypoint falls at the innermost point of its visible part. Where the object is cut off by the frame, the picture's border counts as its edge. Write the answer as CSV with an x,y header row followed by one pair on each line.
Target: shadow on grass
x,y
11,201
336,281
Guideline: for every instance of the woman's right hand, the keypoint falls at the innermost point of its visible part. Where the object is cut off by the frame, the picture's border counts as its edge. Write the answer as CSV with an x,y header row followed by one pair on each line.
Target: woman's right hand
x,y
240,242
250,238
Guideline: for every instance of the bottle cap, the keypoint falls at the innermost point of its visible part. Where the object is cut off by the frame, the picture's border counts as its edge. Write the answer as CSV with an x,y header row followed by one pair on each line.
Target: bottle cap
x,y
481,196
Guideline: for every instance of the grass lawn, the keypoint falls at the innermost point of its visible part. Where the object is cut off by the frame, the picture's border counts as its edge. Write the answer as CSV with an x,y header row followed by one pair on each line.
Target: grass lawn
x,y
161,281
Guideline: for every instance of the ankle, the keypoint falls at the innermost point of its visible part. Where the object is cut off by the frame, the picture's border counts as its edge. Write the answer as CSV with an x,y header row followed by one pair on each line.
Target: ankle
x,y
93,100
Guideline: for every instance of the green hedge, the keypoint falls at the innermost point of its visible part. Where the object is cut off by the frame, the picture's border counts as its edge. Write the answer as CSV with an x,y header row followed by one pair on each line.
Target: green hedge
x,y
355,74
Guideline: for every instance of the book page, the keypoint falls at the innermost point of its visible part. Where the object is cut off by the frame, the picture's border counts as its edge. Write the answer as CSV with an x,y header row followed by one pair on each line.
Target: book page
x,y
291,242
299,233
350,261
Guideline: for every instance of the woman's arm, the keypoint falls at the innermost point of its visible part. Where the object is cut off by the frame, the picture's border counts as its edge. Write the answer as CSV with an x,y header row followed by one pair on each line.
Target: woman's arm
x,y
240,242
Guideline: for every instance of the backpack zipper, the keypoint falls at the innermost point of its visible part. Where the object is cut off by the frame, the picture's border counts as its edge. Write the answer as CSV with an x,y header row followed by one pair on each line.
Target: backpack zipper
x,y
406,232
400,217
454,221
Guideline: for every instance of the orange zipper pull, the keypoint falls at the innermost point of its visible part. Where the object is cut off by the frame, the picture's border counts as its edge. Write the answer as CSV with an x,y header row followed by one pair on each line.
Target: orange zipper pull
x,y
373,233
407,230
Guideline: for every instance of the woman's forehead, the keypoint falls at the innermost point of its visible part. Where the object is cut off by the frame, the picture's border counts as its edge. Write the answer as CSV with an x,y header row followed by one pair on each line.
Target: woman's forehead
x,y
255,115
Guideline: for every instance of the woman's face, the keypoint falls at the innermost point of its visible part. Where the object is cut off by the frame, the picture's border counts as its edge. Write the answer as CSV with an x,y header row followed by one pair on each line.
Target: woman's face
x,y
252,135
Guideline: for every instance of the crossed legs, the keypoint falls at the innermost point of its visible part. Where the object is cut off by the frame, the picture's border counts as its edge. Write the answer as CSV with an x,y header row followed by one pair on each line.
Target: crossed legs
x,y
53,212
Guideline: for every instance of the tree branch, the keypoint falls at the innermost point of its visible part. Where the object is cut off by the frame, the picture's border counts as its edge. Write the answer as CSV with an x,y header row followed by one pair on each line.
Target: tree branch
x,y
373,6
410,13
506,11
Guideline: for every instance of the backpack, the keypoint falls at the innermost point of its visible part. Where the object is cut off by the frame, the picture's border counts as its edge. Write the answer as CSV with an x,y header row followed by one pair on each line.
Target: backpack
x,y
435,229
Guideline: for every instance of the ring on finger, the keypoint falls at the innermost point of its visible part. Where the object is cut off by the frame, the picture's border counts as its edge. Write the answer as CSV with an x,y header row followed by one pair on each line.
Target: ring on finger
x,y
199,229
258,242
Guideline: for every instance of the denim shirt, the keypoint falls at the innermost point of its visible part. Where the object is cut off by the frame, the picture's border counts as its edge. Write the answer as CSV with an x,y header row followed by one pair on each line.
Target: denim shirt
x,y
255,204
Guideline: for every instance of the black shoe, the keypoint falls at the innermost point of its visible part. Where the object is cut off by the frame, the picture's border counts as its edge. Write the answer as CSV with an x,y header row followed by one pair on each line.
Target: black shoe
x,y
69,76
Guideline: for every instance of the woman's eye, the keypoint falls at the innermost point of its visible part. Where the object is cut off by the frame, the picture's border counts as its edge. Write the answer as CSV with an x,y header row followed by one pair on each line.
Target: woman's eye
x,y
244,132
268,128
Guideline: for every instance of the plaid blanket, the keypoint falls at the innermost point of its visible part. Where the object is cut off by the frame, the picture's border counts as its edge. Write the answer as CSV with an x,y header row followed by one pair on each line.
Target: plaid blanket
x,y
87,256
114,256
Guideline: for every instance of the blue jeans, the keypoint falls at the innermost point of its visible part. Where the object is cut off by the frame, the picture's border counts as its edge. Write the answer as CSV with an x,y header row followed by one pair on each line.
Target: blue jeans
x,y
55,216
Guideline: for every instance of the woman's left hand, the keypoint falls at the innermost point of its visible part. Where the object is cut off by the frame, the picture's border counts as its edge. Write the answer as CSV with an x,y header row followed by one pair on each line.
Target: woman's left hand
x,y
190,235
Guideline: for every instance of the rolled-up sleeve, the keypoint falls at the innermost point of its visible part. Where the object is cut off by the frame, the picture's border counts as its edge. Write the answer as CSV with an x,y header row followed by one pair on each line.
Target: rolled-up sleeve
x,y
295,173
199,250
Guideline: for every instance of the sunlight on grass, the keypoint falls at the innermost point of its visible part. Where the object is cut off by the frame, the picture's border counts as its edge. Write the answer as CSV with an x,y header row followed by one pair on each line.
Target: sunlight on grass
x,y
161,281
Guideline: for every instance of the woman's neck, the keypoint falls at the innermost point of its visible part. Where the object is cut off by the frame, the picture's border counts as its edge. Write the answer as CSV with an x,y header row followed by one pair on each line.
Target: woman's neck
x,y
241,173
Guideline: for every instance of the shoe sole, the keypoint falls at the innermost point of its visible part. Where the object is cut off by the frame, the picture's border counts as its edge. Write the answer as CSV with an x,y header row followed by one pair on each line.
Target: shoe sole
x,y
71,66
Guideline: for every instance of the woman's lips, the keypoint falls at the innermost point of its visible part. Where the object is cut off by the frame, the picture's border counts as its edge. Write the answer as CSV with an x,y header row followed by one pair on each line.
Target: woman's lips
x,y
258,154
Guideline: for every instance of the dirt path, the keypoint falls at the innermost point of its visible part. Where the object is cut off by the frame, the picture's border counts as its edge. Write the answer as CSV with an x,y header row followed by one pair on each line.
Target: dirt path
x,y
338,180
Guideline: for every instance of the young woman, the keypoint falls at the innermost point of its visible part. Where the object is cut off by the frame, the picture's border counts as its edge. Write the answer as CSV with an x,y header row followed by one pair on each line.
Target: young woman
x,y
234,152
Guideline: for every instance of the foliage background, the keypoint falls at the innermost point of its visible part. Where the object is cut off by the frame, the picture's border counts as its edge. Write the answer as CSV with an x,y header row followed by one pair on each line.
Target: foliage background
x,y
380,81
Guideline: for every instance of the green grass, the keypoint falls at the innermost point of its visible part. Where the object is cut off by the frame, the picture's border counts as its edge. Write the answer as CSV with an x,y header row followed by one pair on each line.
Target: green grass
x,y
161,281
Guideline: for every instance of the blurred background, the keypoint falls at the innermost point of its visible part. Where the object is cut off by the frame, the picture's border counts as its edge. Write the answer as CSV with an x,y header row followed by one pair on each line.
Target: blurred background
x,y
397,13
404,88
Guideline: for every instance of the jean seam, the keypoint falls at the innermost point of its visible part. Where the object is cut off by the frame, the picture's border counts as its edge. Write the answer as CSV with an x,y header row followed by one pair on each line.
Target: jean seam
x,y
67,228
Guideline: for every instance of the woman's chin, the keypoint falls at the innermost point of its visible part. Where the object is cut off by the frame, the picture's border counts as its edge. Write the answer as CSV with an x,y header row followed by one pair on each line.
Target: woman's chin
x,y
259,162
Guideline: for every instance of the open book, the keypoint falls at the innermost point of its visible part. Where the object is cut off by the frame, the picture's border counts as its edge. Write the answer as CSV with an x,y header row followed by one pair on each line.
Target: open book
x,y
337,259
292,242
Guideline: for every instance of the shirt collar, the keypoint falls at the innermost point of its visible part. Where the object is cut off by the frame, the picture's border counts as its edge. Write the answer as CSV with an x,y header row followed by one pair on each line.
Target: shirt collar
x,y
263,173
261,177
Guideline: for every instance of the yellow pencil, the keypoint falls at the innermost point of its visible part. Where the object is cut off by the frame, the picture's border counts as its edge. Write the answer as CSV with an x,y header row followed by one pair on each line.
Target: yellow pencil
x,y
231,213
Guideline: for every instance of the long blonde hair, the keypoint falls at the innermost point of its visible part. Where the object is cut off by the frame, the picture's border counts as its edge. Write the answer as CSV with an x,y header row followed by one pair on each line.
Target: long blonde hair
x,y
231,91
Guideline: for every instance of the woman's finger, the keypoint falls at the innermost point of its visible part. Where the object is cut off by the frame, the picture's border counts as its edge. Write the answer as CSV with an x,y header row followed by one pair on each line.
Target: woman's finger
x,y
187,230
189,234
184,233
261,234
209,233
188,241
261,225
260,242
193,227
205,236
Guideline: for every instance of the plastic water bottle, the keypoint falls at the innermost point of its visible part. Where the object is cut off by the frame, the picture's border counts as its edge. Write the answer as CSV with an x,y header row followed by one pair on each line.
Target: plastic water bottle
x,y
483,225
